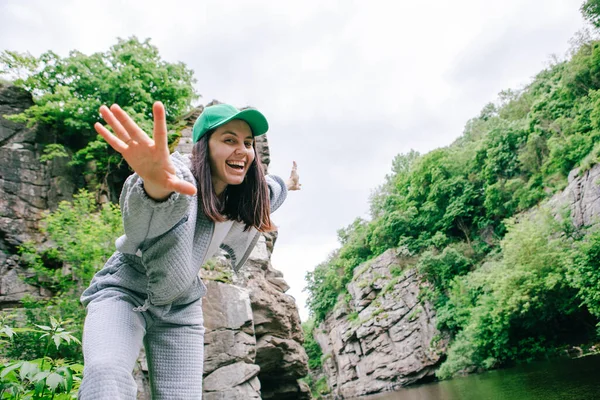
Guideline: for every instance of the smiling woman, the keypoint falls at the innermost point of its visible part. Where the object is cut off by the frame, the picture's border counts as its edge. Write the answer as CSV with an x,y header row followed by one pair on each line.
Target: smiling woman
x,y
176,214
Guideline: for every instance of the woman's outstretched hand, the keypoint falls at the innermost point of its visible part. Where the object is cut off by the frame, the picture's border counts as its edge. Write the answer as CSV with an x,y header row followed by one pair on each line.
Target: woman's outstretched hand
x,y
292,183
149,158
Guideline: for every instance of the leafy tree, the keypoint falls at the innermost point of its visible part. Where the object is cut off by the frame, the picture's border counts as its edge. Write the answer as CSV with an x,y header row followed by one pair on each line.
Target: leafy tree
x,y
591,11
324,285
586,274
517,307
69,90
440,269
401,166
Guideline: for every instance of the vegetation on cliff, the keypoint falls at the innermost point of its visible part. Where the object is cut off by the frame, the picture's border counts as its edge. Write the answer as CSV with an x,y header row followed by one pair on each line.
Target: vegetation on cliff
x,y
67,92
509,284
41,349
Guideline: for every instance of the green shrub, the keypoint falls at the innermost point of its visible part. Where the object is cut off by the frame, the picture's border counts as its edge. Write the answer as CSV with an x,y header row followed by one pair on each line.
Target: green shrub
x,y
313,350
82,238
441,268
585,276
44,377
515,308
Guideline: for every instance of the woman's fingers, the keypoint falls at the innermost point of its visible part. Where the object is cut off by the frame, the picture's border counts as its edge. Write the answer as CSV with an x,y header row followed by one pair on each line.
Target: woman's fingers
x,y
148,158
120,131
294,178
114,141
133,130
294,173
183,187
160,125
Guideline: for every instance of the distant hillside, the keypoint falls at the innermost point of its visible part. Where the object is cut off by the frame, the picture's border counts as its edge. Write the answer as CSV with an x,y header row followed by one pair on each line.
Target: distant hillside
x,y
506,283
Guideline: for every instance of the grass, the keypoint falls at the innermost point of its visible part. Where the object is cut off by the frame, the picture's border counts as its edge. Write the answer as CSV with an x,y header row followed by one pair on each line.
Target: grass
x,y
415,314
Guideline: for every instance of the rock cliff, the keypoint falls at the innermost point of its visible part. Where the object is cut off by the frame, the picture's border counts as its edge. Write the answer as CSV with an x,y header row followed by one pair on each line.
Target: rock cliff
x,y
581,197
384,336
28,187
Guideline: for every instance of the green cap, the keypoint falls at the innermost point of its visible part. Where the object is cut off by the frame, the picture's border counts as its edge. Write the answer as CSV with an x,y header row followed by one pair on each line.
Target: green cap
x,y
220,114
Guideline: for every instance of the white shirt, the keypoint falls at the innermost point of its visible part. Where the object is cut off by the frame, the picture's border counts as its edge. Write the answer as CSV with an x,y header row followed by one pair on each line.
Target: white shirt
x,y
221,230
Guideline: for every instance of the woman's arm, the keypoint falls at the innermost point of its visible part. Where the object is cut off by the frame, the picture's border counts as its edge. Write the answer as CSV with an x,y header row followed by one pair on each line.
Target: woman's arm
x,y
278,189
145,218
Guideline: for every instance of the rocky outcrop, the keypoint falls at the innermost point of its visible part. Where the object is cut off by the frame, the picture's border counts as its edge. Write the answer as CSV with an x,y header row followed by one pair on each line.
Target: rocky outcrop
x,y
253,332
229,344
253,341
580,197
385,335
28,187
279,337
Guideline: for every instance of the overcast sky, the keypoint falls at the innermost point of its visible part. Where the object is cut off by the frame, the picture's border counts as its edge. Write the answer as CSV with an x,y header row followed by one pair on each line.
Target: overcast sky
x,y
345,85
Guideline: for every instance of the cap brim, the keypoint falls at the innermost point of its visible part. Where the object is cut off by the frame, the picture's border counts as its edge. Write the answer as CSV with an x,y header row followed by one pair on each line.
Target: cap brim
x,y
254,118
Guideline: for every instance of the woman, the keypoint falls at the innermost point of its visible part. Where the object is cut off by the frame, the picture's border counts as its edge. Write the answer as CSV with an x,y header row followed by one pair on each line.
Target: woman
x,y
176,214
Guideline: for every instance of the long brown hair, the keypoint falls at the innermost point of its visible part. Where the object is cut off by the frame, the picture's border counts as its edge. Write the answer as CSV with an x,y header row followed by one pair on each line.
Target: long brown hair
x,y
247,202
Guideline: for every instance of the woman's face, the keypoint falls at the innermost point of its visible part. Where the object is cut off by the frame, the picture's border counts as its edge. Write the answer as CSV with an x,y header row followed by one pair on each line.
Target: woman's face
x,y
230,152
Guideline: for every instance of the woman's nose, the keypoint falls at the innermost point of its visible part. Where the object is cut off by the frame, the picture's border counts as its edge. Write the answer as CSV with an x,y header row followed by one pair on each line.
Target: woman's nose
x,y
240,149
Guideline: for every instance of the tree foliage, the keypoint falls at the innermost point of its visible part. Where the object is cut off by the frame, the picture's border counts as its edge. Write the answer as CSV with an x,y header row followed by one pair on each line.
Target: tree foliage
x,y
591,11
68,91
507,285
519,306
313,350
586,275
80,245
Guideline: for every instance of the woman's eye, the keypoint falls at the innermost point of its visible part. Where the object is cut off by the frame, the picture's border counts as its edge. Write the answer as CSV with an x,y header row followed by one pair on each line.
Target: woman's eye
x,y
248,144
229,141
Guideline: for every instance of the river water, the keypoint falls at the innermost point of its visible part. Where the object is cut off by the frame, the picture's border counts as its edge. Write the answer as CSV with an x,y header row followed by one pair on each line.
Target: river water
x,y
562,379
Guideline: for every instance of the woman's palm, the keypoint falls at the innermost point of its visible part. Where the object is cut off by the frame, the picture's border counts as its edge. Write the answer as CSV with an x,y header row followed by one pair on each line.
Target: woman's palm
x,y
149,158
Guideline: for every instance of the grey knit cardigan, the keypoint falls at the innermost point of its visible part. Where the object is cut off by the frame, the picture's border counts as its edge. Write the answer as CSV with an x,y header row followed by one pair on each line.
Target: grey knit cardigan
x,y
173,236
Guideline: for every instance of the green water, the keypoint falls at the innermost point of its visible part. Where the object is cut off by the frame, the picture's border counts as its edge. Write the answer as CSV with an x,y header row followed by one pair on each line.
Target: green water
x,y
564,379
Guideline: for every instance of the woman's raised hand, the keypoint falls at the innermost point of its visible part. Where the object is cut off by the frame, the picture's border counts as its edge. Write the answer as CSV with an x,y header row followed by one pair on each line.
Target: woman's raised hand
x,y
292,183
149,158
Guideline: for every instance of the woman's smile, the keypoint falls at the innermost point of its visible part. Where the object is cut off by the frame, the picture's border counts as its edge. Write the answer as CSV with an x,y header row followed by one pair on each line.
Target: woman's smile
x,y
237,165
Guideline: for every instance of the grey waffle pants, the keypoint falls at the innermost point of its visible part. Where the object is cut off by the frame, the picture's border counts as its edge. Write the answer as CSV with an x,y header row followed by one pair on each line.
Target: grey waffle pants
x,y
113,334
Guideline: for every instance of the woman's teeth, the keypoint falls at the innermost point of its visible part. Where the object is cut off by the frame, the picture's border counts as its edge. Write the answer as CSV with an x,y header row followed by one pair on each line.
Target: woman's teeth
x,y
236,164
